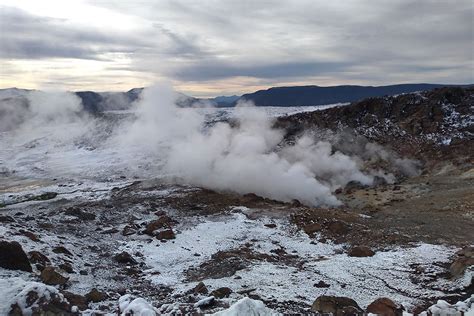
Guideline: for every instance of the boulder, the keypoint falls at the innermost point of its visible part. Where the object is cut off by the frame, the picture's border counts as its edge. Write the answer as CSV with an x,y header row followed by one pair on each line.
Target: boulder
x,y
13,257
166,234
338,228
336,305
63,250
162,222
464,259
52,277
200,288
95,296
38,257
385,306
312,228
76,300
221,292
125,257
360,251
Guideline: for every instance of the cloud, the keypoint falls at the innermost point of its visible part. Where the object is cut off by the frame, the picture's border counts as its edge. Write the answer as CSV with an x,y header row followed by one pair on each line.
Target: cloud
x,y
312,42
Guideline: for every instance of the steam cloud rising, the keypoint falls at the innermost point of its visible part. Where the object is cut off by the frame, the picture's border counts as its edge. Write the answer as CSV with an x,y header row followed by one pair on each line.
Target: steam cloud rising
x,y
163,140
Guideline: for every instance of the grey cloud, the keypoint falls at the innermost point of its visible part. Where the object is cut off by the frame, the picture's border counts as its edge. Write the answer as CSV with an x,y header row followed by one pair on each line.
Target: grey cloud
x,y
210,70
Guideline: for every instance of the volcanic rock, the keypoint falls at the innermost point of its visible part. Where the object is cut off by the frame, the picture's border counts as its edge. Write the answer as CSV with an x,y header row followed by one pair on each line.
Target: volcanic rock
x,y
221,292
95,296
338,228
125,257
51,277
385,306
200,288
336,305
76,300
166,234
13,257
360,251
162,222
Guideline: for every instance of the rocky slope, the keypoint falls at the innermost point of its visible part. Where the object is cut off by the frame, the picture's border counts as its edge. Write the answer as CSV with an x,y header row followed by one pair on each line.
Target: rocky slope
x,y
129,245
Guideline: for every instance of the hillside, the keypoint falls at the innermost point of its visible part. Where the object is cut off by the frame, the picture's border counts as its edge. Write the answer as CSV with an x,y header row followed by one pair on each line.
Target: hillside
x,y
315,95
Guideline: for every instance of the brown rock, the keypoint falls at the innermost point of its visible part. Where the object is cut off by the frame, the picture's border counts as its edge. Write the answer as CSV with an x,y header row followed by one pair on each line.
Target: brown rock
x,y
66,266
13,257
338,228
76,300
338,306
360,251
312,228
200,288
61,249
221,292
386,307
129,230
95,296
270,225
460,265
125,257
162,222
166,234
38,257
29,234
51,277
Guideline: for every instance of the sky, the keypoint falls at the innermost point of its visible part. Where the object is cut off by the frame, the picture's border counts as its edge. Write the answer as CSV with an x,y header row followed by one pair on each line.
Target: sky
x,y
209,48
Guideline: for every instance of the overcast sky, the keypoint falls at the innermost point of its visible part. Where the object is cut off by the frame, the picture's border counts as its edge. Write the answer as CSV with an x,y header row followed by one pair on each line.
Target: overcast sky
x,y
209,48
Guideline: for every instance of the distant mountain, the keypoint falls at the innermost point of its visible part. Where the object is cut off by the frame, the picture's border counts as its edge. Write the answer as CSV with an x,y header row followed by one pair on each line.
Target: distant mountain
x,y
224,101
315,95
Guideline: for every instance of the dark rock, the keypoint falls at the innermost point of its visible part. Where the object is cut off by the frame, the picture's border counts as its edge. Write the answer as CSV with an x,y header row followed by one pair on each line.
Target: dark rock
x,y
221,292
76,300
125,258
38,257
166,234
386,307
83,272
43,197
51,277
129,230
200,288
63,250
162,222
336,305
270,225
95,296
76,212
312,228
6,219
13,257
321,284
338,228
29,234
460,265
66,266
360,251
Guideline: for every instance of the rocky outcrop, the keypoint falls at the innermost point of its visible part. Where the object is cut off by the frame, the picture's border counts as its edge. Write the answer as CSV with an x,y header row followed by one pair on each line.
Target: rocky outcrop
x,y
385,306
13,257
360,251
51,277
336,305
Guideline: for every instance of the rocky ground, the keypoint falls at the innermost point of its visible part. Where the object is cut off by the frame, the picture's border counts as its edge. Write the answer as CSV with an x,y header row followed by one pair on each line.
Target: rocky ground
x,y
127,245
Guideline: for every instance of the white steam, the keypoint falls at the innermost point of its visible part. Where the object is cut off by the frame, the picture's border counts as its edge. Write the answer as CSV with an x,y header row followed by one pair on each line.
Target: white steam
x,y
246,158
162,140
